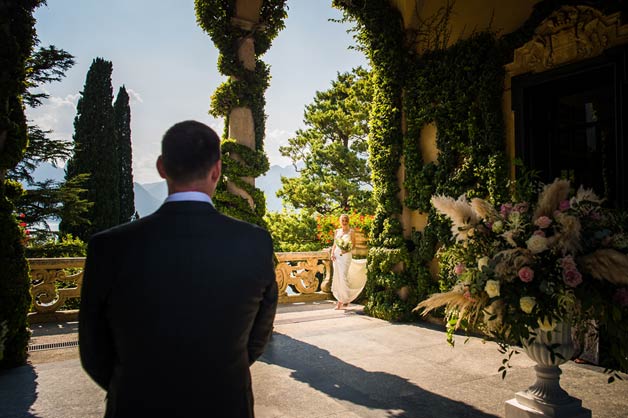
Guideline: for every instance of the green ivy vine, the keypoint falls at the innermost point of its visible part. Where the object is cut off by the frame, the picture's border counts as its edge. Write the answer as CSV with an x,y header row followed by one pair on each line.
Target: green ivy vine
x,y
389,291
244,88
460,90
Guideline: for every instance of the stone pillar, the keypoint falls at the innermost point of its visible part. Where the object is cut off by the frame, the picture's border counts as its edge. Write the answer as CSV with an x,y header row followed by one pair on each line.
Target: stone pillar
x,y
241,124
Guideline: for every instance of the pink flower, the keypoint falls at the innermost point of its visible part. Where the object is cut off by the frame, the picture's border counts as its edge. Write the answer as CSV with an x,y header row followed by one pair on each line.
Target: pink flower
x,y
564,205
621,296
505,209
468,296
521,207
572,278
543,222
459,269
526,274
568,263
539,233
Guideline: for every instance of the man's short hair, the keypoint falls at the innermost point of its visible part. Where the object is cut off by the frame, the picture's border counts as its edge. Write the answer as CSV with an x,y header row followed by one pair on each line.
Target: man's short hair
x,y
189,149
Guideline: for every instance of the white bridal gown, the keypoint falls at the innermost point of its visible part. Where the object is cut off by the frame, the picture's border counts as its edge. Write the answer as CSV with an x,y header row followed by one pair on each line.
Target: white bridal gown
x,y
349,274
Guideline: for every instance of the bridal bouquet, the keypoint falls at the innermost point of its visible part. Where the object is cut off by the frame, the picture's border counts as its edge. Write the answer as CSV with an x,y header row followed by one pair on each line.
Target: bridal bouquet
x,y
519,267
344,243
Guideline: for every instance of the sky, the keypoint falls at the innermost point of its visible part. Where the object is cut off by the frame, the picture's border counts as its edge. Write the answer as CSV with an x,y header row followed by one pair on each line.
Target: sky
x,y
168,66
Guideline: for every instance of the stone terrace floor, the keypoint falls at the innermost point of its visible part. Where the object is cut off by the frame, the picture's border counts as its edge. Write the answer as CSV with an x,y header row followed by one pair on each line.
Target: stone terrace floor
x,y
327,363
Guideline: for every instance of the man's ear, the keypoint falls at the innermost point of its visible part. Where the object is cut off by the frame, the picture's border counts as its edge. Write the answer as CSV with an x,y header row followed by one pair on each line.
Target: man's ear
x,y
160,167
216,171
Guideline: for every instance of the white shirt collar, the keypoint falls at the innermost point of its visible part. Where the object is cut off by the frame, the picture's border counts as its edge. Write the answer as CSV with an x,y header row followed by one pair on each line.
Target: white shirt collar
x,y
189,196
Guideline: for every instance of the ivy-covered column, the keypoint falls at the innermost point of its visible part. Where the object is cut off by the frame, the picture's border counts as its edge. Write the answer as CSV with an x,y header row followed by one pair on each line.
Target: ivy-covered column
x,y
241,123
242,30
389,289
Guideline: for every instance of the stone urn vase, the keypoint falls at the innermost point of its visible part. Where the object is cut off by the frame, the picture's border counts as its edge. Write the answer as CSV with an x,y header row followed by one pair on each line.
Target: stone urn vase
x,y
545,398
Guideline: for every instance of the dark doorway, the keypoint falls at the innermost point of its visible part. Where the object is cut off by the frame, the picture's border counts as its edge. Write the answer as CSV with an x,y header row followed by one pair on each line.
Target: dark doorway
x,y
570,123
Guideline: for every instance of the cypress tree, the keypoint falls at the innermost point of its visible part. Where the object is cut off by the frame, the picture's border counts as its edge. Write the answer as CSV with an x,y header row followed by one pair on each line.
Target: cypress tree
x,y
17,38
95,153
122,127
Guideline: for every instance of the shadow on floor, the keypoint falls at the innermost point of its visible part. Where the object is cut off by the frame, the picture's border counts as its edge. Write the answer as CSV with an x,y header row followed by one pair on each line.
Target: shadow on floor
x,y
18,392
371,390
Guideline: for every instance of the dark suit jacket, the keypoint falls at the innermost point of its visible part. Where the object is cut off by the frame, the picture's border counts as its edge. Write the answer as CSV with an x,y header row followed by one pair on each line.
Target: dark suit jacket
x,y
175,304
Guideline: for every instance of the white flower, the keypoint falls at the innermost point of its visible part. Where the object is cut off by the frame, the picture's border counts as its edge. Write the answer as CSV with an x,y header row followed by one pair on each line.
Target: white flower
x,y
482,262
527,304
537,244
498,227
492,288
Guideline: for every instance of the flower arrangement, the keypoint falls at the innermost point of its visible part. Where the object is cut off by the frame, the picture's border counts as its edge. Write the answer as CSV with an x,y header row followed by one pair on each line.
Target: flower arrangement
x,y
344,243
516,268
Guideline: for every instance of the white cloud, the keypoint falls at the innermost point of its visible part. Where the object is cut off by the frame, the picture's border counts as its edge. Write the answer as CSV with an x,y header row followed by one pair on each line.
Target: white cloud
x,y
274,139
56,114
134,96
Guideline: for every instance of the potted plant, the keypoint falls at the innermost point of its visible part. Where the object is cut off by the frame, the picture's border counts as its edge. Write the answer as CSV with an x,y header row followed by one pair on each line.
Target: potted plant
x,y
525,273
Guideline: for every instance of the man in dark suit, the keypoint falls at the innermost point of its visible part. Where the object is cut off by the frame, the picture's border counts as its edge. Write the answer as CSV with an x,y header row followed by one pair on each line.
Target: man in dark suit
x,y
176,306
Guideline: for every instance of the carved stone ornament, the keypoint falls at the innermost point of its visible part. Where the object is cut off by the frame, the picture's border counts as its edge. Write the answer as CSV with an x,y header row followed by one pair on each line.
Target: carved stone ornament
x,y
570,34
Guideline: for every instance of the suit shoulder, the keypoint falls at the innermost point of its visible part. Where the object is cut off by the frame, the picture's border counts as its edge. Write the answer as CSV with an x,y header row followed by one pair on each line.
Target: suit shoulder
x,y
245,228
121,230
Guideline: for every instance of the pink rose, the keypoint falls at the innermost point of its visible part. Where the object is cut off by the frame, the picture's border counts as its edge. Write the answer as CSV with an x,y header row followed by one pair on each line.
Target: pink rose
x,y
564,205
505,209
543,222
572,278
539,233
521,207
568,263
526,274
621,296
459,269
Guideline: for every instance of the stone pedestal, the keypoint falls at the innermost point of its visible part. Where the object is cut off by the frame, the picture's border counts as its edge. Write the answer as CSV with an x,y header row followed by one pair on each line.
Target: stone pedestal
x,y
545,398
525,405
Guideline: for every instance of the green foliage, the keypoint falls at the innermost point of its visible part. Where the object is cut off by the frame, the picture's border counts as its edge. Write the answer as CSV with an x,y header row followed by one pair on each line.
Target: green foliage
x,y
45,66
122,130
95,153
332,149
293,231
379,32
326,225
244,88
67,246
51,200
15,298
17,38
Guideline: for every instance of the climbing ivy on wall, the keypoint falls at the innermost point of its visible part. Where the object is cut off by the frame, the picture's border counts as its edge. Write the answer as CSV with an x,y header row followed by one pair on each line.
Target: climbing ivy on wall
x,y
459,89
244,88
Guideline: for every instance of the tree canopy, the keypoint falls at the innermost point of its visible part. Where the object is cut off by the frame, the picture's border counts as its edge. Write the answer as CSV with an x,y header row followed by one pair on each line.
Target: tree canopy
x,y
330,154
122,129
95,153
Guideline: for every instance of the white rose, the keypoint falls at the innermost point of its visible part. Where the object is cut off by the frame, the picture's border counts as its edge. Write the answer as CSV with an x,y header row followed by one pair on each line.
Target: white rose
x,y
492,288
482,262
527,303
537,244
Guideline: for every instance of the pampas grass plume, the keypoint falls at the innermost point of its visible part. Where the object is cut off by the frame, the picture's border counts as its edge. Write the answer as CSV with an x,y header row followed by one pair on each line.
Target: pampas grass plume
x,y
550,198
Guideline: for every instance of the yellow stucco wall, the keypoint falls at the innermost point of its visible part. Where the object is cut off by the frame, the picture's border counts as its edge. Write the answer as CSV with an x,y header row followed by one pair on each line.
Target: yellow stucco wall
x,y
468,16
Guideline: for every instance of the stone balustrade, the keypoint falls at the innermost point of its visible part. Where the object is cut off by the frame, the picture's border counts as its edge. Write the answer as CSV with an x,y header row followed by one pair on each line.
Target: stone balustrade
x,y
301,277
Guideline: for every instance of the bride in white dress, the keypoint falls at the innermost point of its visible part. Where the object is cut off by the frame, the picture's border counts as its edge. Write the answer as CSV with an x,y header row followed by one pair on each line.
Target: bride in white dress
x,y
349,277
